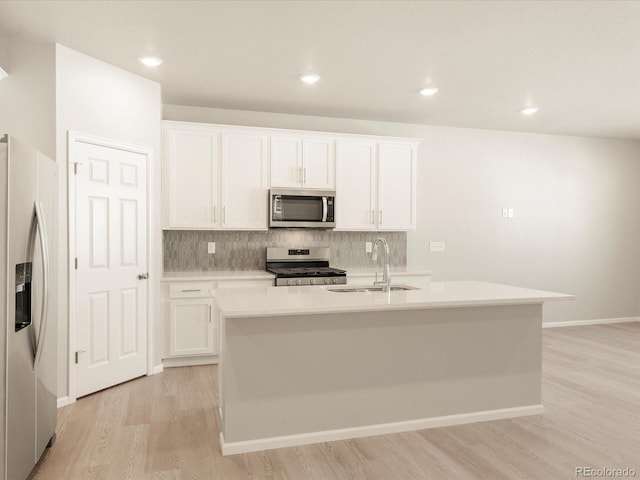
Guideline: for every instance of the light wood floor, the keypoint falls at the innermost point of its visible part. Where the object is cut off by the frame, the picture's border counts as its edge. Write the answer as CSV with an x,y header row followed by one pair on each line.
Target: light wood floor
x,y
166,427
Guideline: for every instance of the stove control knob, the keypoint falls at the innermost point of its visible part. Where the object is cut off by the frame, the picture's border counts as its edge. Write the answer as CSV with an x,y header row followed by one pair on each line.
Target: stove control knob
x,y
298,282
335,280
291,281
327,281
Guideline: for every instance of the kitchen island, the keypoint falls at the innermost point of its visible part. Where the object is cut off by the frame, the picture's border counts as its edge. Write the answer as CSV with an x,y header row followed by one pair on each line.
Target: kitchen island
x,y
303,365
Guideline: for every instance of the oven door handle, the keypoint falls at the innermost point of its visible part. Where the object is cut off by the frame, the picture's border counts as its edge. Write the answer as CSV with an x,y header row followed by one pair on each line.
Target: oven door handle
x,y
325,209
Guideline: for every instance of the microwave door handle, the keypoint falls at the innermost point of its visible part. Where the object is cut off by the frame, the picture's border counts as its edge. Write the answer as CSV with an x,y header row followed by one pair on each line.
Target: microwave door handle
x,y
325,209
45,284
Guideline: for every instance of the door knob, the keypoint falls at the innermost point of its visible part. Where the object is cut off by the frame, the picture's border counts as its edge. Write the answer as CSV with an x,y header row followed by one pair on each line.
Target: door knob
x,y
143,276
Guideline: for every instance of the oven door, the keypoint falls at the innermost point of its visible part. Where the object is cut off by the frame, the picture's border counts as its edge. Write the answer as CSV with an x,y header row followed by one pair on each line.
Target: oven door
x,y
301,208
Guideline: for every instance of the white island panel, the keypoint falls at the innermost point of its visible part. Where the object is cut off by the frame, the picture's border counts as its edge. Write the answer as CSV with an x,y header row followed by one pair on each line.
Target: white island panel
x,y
303,364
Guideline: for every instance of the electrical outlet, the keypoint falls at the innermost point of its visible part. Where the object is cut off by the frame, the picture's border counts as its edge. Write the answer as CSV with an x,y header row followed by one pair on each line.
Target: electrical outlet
x,y
510,213
211,247
505,213
368,247
436,246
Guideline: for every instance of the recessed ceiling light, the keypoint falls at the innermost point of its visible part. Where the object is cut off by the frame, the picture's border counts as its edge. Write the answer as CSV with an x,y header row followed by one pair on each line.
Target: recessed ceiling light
x,y
310,78
428,91
150,61
529,110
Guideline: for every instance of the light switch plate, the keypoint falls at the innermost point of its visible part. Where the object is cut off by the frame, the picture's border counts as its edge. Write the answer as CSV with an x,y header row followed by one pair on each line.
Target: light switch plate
x,y
436,246
211,247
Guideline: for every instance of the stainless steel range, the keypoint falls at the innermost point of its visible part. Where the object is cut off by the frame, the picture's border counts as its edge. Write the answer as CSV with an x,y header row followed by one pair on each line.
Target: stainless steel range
x,y
303,266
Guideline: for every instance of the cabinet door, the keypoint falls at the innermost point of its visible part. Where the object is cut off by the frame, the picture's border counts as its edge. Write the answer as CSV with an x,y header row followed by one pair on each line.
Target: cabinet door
x,y
355,185
191,330
318,169
191,178
396,186
244,181
286,162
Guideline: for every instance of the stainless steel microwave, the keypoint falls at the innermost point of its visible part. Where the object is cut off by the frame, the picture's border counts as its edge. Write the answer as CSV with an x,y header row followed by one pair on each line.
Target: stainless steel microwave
x,y
290,207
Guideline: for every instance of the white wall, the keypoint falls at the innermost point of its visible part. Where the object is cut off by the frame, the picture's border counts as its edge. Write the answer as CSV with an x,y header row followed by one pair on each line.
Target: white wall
x,y
27,95
576,200
98,99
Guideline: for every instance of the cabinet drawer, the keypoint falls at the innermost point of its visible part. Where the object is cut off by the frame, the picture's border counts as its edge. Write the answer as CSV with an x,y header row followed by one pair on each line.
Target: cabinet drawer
x,y
190,289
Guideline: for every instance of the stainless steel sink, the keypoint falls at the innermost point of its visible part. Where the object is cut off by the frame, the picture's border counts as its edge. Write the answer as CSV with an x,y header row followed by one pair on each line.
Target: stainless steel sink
x,y
394,288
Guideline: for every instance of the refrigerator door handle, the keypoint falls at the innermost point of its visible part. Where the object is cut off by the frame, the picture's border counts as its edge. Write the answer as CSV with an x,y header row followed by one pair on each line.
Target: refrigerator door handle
x,y
42,330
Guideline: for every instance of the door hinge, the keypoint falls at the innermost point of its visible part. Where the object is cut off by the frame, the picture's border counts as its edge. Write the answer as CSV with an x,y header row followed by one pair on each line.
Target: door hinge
x,y
76,263
75,167
78,352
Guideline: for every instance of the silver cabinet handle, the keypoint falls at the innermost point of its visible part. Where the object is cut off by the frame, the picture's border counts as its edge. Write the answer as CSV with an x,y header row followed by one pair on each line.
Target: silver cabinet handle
x,y
304,175
214,214
209,313
380,217
143,276
191,290
372,217
224,214
300,180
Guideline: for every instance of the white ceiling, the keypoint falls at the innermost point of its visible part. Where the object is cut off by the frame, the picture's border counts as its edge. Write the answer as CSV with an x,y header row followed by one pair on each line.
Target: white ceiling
x,y
579,61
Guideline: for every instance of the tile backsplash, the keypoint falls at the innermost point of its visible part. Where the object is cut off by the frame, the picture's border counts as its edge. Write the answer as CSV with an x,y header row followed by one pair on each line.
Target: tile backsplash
x,y
186,251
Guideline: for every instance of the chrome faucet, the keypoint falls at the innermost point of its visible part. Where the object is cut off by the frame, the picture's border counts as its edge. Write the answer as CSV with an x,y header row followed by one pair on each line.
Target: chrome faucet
x,y
386,276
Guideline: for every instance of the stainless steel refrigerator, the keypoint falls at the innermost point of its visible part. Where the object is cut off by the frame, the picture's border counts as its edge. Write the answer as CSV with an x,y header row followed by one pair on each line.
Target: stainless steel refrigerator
x,y
28,302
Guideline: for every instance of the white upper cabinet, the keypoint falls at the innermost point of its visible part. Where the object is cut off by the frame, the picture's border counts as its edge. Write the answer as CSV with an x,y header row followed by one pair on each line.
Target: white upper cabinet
x,y
286,161
376,185
218,177
355,185
302,162
191,178
244,181
396,186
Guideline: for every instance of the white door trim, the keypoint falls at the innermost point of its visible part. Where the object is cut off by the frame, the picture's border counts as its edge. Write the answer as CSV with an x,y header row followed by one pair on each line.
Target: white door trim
x,y
72,139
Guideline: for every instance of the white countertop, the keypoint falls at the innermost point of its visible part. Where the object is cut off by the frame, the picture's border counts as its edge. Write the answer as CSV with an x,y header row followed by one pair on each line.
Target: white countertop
x,y
271,301
217,275
371,271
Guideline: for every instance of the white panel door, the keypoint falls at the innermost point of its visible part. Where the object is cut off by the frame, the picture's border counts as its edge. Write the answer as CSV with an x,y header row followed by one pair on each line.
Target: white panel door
x,y
355,185
396,186
319,164
191,158
244,181
111,251
286,162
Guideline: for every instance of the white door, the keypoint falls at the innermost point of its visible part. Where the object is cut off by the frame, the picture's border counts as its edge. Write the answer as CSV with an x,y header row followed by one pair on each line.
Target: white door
x,y
111,251
355,186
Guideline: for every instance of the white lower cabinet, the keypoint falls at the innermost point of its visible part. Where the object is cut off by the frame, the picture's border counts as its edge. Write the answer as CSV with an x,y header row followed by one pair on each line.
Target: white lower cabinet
x,y
191,329
191,320
191,325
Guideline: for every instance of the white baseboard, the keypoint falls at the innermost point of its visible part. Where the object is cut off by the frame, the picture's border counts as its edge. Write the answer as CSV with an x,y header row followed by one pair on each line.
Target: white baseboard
x,y
189,361
232,448
599,321
64,401
157,369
